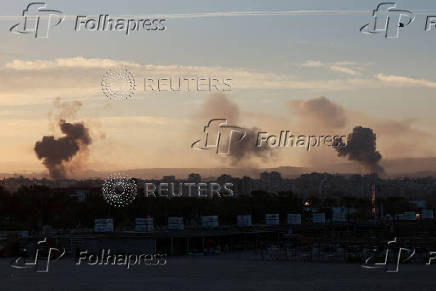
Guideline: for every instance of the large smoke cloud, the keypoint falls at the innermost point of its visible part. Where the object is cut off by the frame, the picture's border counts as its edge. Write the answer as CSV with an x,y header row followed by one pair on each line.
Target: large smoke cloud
x,y
241,152
56,152
361,147
218,105
246,149
318,112
317,116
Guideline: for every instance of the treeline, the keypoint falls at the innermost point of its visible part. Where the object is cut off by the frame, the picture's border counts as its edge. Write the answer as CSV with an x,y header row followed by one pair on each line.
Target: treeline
x,y
29,208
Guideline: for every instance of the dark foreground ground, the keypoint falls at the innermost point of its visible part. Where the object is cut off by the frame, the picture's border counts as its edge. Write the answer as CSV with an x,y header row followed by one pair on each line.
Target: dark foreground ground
x,y
225,272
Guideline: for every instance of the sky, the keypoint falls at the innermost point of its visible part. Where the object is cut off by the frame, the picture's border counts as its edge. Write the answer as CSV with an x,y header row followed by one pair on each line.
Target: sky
x,y
294,65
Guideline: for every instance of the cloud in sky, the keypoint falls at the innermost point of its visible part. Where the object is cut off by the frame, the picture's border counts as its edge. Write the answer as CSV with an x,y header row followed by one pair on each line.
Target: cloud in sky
x,y
403,81
67,63
81,77
319,112
341,67
30,82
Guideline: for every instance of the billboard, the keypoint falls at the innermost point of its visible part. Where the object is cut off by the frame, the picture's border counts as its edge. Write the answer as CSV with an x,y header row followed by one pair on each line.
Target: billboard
x,y
144,224
176,223
427,214
272,219
339,214
294,218
244,220
104,225
210,221
408,215
318,218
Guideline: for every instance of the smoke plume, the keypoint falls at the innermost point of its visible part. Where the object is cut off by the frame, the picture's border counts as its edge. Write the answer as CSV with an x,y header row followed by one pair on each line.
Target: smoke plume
x,y
361,147
318,112
218,105
245,150
62,110
55,153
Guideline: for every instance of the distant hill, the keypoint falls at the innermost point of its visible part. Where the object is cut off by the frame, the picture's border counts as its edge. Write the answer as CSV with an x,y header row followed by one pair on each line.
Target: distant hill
x,y
411,167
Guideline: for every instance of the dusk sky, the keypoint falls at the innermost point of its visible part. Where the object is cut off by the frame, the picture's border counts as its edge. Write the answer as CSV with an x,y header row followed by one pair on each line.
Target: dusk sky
x,y
281,61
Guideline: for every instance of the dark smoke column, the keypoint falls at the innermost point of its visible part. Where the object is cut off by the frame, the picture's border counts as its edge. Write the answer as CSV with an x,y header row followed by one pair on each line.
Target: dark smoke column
x,y
55,152
246,149
361,147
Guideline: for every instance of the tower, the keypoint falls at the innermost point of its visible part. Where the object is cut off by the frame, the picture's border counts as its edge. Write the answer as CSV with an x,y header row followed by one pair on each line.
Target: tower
x,y
373,201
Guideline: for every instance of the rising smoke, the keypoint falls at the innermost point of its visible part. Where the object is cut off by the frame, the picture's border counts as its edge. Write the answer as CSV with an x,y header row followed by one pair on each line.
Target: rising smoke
x,y
318,112
244,151
55,153
361,147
